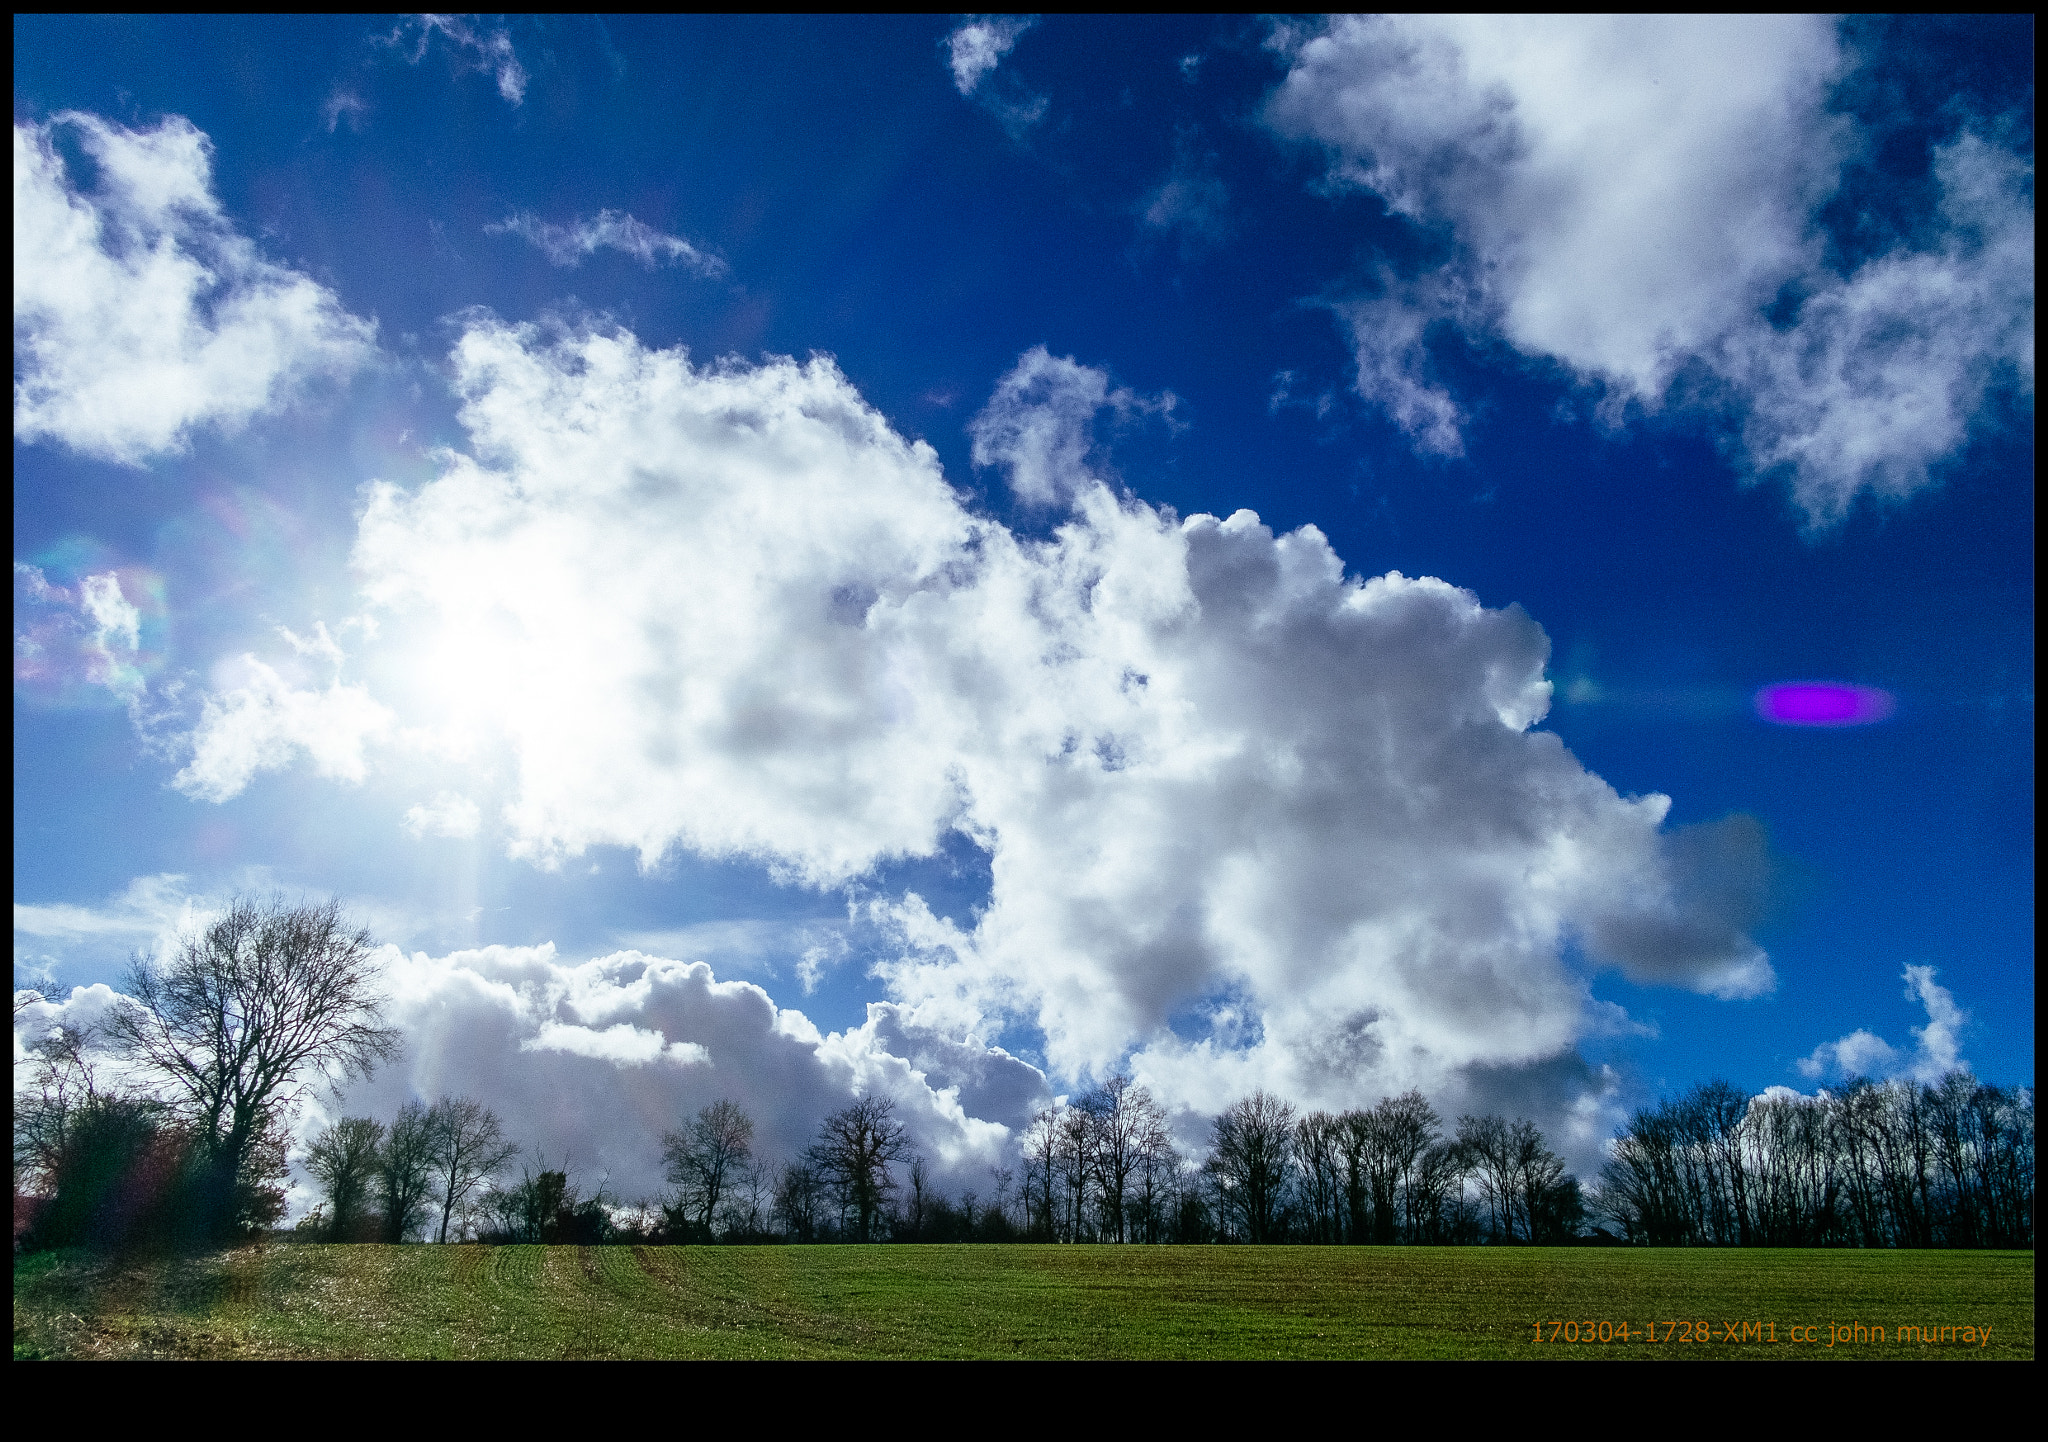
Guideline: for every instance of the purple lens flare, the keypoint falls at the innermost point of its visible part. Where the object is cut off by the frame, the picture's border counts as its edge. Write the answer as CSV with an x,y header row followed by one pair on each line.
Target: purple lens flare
x,y
1823,703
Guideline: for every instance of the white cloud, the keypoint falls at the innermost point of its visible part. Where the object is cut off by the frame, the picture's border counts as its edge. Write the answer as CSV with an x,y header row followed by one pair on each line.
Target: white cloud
x,y
1039,424
804,949
1860,1053
1626,196
708,676
977,47
1880,375
86,1009
974,50
589,1063
115,620
566,245
1247,817
1389,332
622,1045
1936,1050
155,906
140,314
259,721
489,50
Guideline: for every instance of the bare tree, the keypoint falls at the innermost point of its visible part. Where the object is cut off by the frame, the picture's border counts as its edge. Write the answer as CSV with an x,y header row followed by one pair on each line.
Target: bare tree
x,y
1076,1158
855,1149
1158,1188
799,1193
706,1158
1437,1209
243,1014
920,1196
468,1147
1249,1159
405,1171
66,1087
1489,1145
1041,1166
1319,1164
750,1199
345,1160
1001,1179
1128,1127
1382,1149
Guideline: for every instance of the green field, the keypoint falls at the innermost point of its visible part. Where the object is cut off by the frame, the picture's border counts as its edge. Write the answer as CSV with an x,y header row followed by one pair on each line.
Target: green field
x,y
1014,1301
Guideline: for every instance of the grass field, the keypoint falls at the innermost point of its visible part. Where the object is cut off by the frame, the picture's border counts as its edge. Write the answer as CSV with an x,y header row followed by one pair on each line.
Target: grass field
x,y
1017,1301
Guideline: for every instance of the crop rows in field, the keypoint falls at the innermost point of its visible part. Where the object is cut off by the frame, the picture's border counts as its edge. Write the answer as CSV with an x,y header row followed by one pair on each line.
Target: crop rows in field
x,y
1023,1301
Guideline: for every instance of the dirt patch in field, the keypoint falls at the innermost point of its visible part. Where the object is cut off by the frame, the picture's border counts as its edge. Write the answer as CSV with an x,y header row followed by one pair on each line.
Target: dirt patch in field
x,y
653,1270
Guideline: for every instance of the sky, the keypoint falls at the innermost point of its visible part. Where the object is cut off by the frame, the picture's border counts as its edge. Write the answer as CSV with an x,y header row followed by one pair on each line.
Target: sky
x,y
783,558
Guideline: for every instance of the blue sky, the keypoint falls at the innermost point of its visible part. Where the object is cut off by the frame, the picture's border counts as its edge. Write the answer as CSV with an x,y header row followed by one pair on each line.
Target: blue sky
x,y
778,557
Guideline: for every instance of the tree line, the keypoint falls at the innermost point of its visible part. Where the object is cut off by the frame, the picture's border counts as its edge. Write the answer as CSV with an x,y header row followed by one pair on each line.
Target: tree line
x,y
1105,1168
245,1014
1898,1163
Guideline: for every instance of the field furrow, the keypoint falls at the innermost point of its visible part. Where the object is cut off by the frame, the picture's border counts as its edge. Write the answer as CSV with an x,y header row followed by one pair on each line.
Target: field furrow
x,y
1025,1302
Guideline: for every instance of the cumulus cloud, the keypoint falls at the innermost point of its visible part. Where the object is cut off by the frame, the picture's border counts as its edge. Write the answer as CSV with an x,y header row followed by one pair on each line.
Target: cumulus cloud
x,y
84,1009
590,1062
140,314
475,48
1937,1046
803,949
1250,820
974,50
566,245
1627,196
682,597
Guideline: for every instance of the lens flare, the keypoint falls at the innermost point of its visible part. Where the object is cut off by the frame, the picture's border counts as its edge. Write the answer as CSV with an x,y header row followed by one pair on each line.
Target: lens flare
x,y
88,631
1823,703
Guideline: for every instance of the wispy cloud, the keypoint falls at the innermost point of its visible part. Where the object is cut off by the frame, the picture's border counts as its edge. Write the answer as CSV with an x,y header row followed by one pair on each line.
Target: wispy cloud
x,y
1192,203
476,47
146,915
450,814
344,105
82,637
974,50
1039,424
977,47
567,245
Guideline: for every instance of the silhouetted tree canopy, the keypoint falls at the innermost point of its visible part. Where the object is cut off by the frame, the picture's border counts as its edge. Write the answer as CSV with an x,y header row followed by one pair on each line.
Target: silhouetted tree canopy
x,y
244,1013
